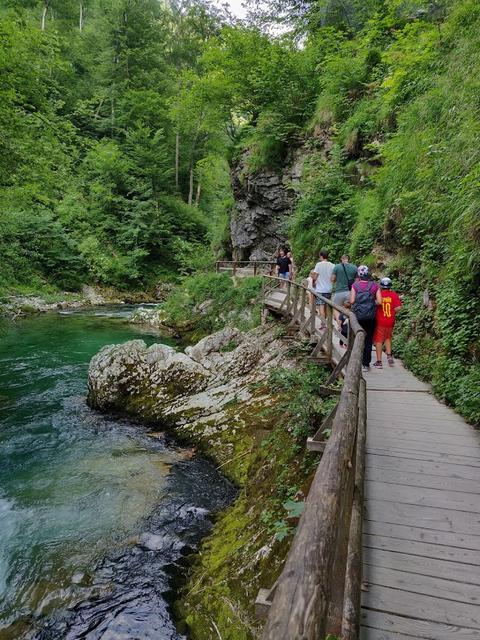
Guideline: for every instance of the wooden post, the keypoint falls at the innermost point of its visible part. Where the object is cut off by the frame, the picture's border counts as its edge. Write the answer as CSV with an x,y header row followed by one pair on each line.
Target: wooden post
x,y
254,268
353,581
335,612
302,307
234,268
313,315
289,286
295,301
329,344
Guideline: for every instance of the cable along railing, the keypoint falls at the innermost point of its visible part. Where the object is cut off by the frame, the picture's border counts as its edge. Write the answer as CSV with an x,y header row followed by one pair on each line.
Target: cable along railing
x,y
319,590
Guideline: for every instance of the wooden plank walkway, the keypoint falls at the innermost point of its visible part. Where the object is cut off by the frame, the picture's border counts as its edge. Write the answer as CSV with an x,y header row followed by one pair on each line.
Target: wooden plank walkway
x,y
421,539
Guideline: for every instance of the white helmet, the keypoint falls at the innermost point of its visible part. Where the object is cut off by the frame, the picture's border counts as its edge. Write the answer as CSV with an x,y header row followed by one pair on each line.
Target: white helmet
x,y
362,271
386,283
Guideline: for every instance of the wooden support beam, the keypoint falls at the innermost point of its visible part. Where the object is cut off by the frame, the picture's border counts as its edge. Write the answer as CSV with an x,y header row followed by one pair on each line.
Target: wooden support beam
x,y
318,441
324,391
319,346
338,368
264,601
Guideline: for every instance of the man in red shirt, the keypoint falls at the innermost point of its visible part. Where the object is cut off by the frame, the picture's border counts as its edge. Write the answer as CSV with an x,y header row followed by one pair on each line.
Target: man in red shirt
x,y
391,303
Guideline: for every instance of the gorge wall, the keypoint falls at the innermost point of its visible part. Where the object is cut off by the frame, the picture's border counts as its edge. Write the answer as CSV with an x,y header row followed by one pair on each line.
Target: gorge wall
x,y
264,201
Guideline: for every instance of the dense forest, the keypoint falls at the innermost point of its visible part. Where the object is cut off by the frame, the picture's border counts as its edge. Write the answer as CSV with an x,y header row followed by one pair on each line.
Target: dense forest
x,y
120,119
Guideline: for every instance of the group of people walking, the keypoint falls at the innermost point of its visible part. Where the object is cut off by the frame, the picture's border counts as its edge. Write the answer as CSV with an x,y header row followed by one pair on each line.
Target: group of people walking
x,y
375,305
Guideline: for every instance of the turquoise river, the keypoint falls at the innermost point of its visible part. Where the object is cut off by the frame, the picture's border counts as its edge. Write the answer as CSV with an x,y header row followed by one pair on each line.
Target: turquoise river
x,y
97,515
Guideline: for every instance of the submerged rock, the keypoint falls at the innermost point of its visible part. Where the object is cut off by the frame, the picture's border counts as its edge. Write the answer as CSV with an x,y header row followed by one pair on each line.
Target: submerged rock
x,y
153,317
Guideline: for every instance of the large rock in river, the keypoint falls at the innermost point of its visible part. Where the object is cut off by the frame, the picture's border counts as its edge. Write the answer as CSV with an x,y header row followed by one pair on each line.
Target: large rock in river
x,y
201,392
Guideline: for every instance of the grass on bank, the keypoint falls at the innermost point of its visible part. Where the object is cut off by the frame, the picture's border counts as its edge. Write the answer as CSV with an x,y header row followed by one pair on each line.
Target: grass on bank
x,y
205,302
249,542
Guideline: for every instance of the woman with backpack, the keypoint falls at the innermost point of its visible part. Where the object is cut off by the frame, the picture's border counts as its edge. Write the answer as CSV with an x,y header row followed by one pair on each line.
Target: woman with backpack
x,y
364,297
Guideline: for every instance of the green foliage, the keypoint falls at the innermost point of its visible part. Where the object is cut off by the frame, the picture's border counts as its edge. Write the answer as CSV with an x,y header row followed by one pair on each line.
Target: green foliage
x,y
87,142
398,188
299,401
324,215
225,303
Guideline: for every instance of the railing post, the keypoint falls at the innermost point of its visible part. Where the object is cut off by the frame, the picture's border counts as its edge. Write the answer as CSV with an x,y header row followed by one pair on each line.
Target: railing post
x,y
329,345
254,268
295,301
302,307
335,611
289,285
234,268
313,315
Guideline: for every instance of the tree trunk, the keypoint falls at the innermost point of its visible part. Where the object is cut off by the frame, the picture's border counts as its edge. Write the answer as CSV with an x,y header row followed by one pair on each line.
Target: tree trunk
x,y
190,186
44,14
177,157
80,19
199,191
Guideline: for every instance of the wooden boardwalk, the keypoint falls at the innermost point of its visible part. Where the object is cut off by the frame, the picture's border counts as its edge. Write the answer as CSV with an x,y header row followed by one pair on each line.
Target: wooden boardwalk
x,y
421,540
421,530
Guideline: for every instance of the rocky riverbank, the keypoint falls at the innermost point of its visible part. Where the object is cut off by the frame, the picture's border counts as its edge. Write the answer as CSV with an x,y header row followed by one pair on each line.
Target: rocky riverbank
x,y
14,306
211,394
241,399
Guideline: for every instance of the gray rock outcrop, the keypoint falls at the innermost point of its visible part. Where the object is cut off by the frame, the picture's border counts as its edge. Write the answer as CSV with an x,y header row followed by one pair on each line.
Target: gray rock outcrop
x,y
203,391
263,202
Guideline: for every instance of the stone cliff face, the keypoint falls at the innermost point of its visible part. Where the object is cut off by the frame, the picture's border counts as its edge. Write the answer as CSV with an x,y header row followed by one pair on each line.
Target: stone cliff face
x,y
263,203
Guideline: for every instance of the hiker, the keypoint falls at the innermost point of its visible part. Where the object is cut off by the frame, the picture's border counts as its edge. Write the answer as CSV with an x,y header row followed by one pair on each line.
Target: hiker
x,y
386,312
343,277
284,265
292,265
310,284
323,285
364,297
344,325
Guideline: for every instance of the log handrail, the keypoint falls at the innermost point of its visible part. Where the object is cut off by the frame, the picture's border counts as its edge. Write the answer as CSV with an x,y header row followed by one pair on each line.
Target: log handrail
x,y
319,589
256,265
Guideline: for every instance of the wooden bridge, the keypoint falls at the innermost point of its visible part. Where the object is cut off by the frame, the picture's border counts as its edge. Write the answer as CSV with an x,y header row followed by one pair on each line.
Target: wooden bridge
x,y
388,545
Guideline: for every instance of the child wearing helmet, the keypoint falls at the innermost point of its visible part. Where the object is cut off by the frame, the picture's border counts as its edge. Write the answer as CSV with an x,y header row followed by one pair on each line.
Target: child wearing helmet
x,y
386,312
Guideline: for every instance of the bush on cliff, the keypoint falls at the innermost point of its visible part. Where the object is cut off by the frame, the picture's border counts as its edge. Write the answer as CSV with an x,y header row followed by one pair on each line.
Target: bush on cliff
x,y
399,187
206,302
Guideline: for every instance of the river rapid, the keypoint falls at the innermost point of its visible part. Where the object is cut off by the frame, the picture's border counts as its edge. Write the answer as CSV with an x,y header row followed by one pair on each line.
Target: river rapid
x,y
96,513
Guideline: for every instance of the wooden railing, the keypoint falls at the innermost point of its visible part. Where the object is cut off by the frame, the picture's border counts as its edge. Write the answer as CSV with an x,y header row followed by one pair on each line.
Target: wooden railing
x,y
258,266
319,589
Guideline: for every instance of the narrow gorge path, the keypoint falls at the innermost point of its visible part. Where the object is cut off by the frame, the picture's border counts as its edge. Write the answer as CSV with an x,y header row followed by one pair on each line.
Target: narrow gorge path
x,y
421,512
421,533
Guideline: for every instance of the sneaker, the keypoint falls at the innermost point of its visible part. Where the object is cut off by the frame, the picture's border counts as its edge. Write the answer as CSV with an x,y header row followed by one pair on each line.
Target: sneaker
x,y
390,359
378,364
364,368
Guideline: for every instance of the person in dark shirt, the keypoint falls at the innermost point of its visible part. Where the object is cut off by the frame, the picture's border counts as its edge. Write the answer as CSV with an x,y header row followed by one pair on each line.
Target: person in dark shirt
x,y
284,265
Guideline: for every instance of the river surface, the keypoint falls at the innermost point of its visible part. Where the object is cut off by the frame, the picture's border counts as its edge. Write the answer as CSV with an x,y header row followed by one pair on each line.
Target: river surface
x,y
96,514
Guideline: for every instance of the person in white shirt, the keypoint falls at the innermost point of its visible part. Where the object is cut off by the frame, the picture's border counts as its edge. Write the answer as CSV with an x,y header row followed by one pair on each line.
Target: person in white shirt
x,y
323,285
